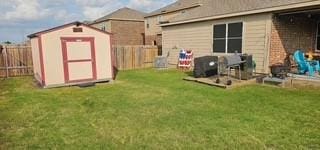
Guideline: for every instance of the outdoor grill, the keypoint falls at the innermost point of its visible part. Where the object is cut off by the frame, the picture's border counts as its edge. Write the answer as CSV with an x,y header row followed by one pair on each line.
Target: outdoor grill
x,y
228,62
279,70
232,60
206,66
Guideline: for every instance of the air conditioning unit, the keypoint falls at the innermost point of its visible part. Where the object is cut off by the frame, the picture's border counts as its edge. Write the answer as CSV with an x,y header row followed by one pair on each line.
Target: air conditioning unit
x,y
161,62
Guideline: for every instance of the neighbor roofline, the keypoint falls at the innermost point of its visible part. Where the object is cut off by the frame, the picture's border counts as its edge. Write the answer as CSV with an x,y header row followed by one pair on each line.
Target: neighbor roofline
x,y
64,26
257,11
167,12
119,19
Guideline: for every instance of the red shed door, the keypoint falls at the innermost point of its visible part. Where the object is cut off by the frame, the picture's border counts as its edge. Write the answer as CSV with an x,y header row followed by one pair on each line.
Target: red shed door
x,y
78,59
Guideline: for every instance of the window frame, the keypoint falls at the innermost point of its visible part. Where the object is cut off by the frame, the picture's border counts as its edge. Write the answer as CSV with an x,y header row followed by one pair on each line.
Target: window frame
x,y
103,28
160,18
148,23
316,37
226,36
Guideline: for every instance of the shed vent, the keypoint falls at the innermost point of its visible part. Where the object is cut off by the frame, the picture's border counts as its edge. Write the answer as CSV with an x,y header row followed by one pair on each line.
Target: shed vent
x,y
77,30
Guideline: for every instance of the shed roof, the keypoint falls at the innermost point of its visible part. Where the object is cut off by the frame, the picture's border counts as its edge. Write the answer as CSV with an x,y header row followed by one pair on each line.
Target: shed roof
x,y
209,8
77,23
123,14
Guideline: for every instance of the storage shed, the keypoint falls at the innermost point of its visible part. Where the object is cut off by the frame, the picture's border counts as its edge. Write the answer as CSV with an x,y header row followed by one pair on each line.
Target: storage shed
x,y
72,54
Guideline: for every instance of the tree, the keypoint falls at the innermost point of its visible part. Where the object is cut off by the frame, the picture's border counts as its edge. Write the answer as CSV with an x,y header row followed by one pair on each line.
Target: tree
x,y
7,42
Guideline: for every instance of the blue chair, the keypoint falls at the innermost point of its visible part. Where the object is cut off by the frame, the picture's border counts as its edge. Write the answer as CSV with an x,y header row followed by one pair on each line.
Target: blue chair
x,y
305,66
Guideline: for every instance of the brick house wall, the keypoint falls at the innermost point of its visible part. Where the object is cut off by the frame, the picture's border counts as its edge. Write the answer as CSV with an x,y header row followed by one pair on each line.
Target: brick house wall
x,y
128,32
151,38
290,33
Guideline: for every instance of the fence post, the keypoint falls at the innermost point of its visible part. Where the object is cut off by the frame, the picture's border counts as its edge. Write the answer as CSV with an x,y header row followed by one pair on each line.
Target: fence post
x,y
6,60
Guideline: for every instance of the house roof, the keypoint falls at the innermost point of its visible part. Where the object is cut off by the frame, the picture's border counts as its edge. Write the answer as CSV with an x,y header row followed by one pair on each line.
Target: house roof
x,y
122,14
210,8
176,6
77,23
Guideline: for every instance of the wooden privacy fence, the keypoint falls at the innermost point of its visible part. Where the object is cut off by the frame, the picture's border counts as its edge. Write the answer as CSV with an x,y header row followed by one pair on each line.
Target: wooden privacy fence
x,y
134,57
16,60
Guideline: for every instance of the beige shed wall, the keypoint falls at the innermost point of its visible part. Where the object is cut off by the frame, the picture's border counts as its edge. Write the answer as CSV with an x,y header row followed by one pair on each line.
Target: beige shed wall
x,y
52,54
36,58
199,38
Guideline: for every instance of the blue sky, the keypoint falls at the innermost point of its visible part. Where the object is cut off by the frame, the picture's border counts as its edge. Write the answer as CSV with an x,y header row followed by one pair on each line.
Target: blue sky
x,y
19,18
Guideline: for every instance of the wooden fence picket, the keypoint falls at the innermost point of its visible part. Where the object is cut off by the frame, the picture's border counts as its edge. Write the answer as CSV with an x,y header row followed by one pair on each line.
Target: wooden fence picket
x,y
17,59
135,57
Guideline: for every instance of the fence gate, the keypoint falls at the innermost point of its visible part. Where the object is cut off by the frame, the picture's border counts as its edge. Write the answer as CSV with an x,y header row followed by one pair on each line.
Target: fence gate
x,y
16,60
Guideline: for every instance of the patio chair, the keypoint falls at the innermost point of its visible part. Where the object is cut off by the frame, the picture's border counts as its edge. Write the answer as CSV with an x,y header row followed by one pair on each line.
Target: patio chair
x,y
305,66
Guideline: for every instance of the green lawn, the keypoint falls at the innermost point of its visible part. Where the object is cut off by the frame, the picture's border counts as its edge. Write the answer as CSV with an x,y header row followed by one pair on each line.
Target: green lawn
x,y
148,109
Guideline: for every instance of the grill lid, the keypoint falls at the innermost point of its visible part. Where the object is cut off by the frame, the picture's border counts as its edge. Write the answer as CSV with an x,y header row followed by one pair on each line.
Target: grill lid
x,y
232,60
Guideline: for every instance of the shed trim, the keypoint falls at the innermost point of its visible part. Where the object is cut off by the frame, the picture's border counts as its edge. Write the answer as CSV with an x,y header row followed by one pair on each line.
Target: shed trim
x,y
43,77
77,23
66,62
112,57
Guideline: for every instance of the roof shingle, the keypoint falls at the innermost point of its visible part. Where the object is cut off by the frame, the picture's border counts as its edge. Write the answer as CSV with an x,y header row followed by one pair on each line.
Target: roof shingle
x,y
178,5
123,14
211,8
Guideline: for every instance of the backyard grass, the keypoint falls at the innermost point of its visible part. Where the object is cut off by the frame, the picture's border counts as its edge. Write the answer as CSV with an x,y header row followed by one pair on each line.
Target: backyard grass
x,y
149,109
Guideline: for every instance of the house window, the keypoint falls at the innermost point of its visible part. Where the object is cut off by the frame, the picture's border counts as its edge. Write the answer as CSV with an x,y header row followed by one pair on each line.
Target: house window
x,y
227,38
318,37
148,25
103,28
159,19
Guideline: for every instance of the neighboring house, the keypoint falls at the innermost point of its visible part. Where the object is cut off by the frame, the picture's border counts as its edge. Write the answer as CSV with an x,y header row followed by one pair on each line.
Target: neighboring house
x,y
270,30
162,15
126,25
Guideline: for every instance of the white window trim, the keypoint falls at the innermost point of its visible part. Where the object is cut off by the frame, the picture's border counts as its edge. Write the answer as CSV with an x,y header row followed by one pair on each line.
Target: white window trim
x,y
226,46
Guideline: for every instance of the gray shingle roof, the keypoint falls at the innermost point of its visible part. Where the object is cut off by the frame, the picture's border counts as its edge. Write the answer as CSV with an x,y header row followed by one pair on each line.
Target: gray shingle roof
x,y
123,13
211,8
178,5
